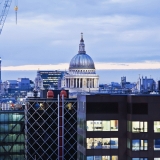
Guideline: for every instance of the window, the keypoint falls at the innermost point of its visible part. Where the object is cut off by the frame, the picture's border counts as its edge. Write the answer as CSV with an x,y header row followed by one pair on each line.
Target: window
x,y
14,148
139,126
138,144
157,144
97,125
107,157
128,143
139,108
156,126
129,126
102,143
102,108
139,158
80,140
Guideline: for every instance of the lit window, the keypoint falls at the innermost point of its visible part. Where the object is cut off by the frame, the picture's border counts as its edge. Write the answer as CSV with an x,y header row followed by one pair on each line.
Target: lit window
x,y
139,126
107,157
98,125
102,143
156,126
157,144
139,158
138,144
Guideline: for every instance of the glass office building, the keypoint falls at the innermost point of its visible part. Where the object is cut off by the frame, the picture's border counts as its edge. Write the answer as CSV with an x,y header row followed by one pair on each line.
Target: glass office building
x,y
12,135
51,78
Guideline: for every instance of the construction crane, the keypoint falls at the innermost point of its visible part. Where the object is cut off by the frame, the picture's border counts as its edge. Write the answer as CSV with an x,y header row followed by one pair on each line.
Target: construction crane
x,y
5,9
16,9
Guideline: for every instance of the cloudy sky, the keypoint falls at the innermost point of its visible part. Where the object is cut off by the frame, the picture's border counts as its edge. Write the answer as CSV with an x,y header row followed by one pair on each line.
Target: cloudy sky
x,y
118,34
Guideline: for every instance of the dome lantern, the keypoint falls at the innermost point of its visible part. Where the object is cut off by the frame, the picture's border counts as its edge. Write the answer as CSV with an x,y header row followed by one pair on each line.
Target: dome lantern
x,y
82,45
81,60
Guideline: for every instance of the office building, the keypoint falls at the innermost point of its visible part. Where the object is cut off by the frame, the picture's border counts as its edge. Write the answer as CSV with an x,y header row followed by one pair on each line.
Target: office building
x,y
118,127
12,144
16,88
50,78
51,128
38,82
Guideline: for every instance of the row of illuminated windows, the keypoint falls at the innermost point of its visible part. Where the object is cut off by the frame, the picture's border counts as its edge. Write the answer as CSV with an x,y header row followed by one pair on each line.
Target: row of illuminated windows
x,y
142,126
109,125
102,143
138,158
113,158
142,158
12,138
139,144
10,127
12,148
102,158
11,117
112,125
98,125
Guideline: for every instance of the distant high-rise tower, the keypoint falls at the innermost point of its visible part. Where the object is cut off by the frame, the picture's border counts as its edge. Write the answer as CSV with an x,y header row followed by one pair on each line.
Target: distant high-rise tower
x,y
0,69
38,82
0,75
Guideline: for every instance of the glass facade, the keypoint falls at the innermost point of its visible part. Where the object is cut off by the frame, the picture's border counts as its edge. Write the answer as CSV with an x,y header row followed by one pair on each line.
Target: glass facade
x,y
51,78
12,135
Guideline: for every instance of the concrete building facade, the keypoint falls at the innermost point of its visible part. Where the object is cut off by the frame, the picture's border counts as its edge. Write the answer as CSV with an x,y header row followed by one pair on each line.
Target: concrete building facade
x,y
118,127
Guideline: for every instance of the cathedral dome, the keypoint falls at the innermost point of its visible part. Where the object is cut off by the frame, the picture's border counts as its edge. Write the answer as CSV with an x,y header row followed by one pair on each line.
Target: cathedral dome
x,y
81,60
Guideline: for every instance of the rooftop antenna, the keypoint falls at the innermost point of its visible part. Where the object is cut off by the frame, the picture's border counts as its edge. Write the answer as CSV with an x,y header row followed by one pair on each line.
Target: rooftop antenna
x,y
139,75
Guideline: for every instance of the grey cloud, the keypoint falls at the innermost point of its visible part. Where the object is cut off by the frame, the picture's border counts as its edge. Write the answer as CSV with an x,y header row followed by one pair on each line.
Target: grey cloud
x,y
113,32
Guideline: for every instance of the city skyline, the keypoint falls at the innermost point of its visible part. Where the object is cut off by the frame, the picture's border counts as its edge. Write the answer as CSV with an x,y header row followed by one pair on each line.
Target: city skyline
x,y
119,34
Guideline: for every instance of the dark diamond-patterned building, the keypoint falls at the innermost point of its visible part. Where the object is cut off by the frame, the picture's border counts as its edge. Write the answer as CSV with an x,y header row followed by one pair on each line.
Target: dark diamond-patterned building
x,y
51,129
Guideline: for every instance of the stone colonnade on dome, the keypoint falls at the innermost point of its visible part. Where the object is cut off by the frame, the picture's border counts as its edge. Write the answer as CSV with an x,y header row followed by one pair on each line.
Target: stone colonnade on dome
x,y
73,82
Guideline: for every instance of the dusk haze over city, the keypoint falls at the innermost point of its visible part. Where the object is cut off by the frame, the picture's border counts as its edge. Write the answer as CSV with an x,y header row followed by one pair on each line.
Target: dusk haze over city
x,y
120,34
80,80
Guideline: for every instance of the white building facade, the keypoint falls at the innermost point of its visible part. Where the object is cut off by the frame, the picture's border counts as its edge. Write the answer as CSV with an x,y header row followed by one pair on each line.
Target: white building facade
x,y
38,82
82,75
